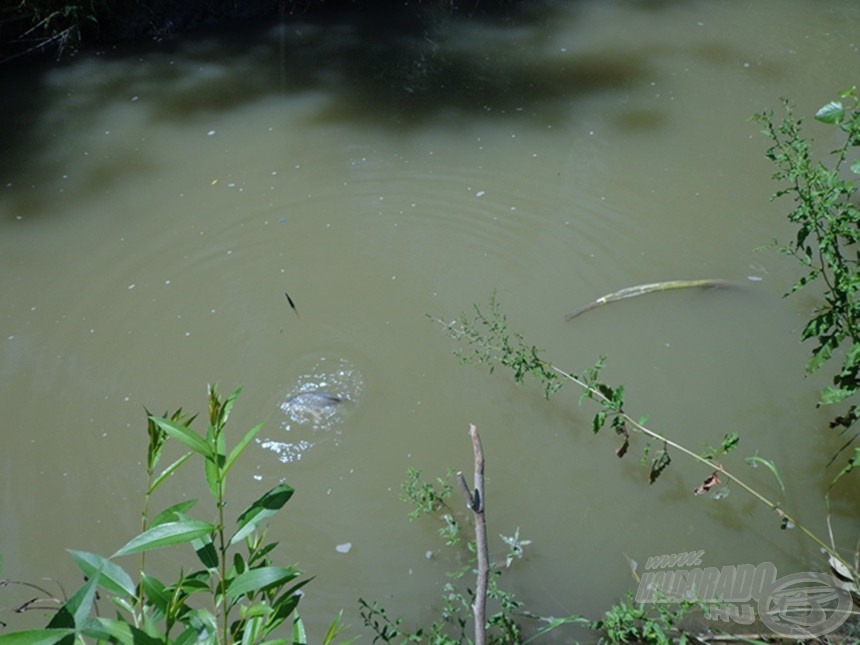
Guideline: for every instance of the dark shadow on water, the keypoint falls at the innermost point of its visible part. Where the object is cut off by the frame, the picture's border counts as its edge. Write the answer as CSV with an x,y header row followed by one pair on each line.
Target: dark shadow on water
x,y
396,68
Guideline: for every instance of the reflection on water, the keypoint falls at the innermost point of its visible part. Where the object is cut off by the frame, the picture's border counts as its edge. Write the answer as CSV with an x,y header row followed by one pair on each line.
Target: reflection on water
x,y
316,408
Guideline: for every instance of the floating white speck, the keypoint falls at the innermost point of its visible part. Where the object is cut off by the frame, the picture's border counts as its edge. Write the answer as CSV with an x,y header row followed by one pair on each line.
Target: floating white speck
x,y
755,278
480,193
344,548
131,286
210,133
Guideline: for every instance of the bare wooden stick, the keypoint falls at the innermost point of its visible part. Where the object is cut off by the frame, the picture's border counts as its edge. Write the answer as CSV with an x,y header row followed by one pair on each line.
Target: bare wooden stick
x,y
475,501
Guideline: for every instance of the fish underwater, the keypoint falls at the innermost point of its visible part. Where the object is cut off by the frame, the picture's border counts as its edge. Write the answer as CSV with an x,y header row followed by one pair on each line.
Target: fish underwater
x,y
313,404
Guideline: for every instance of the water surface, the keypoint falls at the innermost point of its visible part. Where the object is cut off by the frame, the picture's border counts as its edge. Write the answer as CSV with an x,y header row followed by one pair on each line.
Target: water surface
x,y
156,204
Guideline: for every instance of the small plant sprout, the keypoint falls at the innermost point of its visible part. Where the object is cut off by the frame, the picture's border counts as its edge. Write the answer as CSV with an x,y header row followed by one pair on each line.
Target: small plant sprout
x,y
515,546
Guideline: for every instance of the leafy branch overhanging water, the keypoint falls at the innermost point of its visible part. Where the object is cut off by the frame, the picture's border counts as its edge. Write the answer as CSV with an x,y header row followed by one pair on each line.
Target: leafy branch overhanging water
x,y
489,341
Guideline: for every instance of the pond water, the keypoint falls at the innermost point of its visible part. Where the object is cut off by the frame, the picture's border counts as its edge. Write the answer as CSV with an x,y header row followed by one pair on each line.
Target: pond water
x,y
156,203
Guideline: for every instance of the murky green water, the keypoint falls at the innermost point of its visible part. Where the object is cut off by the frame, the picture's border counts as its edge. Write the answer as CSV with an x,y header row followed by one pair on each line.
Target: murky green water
x,y
156,205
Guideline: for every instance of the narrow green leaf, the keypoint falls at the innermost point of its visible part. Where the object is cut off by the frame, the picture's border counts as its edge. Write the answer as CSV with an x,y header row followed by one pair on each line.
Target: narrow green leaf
x,y
191,637
204,547
240,447
286,603
204,623
833,112
74,613
36,637
259,579
855,167
167,472
252,630
850,466
155,593
173,513
334,629
213,470
113,577
166,535
219,412
116,631
755,460
188,637
264,507
300,636
184,434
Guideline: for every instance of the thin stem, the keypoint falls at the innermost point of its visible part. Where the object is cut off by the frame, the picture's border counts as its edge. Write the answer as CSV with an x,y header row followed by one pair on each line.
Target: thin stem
x,y
774,506
546,371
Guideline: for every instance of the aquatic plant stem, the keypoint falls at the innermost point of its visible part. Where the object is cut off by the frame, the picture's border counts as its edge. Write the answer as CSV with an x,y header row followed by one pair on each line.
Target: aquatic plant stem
x,y
774,506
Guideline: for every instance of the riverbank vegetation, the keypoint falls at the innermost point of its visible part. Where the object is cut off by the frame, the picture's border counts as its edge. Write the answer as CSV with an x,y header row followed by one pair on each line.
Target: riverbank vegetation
x,y
59,27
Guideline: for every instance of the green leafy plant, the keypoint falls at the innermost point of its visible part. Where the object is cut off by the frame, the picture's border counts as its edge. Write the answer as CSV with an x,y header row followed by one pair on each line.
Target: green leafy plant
x,y
630,622
827,242
488,341
47,25
249,596
505,624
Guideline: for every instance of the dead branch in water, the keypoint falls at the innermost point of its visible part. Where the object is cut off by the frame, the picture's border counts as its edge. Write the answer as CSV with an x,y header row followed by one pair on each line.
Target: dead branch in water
x,y
642,289
475,502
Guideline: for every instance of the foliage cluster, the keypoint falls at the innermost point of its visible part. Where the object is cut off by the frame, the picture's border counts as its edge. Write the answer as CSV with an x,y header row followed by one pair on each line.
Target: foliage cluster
x,y
827,242
506,625
249,597
57,26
